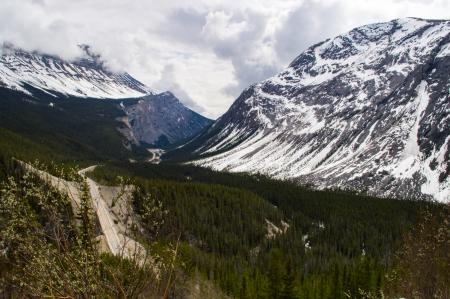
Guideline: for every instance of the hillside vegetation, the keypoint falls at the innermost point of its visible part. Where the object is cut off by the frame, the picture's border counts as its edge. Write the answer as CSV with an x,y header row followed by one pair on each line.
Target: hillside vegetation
x,y
336,245
62,129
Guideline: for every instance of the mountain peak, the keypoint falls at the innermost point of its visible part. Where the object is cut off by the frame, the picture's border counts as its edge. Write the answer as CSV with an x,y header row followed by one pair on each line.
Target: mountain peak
x,y
85,77
90,58
161,119
367,110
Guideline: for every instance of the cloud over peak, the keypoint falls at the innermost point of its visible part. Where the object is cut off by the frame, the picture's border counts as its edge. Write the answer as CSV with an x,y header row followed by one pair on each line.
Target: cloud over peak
x,y
205,51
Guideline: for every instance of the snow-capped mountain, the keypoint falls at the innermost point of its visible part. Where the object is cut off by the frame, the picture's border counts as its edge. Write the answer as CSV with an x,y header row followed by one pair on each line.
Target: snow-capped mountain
x,y
368,110
147,117
161,119
85,77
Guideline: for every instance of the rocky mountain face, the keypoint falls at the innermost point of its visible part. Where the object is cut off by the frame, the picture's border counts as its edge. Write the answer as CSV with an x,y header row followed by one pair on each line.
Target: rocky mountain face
x,y
149,118
368,110
161,119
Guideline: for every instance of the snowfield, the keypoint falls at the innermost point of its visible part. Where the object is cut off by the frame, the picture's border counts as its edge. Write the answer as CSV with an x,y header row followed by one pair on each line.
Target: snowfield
x,y
368,111
85,78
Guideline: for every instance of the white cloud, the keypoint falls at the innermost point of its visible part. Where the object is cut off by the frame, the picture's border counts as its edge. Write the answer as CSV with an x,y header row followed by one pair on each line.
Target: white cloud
x,y
220,26
205,51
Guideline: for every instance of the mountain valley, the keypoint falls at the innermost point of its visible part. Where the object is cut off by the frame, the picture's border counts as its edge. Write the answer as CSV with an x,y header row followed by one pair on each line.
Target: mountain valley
x,y
329,180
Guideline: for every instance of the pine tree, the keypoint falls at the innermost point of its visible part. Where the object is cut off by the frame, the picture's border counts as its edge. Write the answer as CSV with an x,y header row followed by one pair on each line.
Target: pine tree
x,y
289,281
337,283
275,274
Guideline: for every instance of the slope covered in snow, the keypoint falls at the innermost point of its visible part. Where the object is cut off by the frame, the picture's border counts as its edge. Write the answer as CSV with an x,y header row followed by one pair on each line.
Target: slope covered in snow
x,y
368,110
143,116
85,77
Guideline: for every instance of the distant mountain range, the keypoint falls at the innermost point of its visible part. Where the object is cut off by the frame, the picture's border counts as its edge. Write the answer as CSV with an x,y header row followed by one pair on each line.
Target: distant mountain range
x,y
368,111
144,117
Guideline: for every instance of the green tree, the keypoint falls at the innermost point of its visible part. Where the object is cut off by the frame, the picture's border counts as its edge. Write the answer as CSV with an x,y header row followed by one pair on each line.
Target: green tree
x,y
422,266
289,279
275,274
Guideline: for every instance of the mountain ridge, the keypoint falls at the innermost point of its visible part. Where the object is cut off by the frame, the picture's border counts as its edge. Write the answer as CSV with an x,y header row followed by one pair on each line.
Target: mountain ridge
x,y
83,77
364,111
161,119
54,83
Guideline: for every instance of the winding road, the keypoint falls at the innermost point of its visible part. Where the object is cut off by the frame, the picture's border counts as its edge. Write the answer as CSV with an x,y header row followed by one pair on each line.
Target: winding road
x,y
118,244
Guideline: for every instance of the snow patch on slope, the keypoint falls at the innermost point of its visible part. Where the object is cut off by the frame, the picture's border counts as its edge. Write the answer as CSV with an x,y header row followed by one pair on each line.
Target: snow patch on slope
x,y
51,74
362,111
411,157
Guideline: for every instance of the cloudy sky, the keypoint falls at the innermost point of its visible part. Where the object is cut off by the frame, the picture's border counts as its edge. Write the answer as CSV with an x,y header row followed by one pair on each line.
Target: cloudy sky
x,y
205,51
